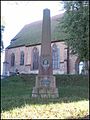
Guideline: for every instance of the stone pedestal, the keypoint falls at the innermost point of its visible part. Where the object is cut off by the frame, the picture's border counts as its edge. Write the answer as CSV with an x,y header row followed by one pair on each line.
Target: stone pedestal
x,y
45,87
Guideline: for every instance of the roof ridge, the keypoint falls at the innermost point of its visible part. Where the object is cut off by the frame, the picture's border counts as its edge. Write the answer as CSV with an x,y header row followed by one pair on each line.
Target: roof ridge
x,y
39,21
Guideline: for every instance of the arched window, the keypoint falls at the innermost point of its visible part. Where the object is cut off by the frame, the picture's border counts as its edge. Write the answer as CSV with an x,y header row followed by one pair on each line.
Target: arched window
x,y
12,59
35,58
55,57
22,58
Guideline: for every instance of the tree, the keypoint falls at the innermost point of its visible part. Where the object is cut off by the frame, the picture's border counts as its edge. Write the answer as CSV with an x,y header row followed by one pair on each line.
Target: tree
x,y
75,23
2,30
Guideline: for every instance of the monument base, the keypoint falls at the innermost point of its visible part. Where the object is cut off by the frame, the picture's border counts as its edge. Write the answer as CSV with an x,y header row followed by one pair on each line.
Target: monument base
x,y
45,87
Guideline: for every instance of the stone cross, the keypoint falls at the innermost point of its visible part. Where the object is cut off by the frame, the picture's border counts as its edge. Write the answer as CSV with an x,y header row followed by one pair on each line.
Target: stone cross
x,y
45,86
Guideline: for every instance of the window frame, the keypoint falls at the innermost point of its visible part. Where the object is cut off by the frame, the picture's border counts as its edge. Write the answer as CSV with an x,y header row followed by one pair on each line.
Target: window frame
x,y
12,59
35,58
55,57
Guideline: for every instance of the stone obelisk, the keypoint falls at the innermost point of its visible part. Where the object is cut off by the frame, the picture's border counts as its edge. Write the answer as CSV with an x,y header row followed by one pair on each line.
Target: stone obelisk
x,y
46,44
45,85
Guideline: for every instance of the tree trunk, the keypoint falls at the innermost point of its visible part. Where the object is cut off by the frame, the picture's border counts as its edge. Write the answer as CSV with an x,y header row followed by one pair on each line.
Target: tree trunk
x,y
86,67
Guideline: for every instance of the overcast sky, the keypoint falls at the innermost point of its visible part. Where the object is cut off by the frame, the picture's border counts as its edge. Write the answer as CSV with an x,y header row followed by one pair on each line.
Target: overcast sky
x,y
19,13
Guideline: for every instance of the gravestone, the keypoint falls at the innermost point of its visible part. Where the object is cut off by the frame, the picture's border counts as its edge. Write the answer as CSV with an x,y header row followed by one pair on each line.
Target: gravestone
x,y
45,85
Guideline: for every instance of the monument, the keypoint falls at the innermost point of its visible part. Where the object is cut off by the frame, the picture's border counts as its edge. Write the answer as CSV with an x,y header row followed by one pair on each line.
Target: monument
x,y
45,86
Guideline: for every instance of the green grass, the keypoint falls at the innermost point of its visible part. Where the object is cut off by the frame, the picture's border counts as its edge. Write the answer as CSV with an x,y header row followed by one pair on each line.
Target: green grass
x,y
16,101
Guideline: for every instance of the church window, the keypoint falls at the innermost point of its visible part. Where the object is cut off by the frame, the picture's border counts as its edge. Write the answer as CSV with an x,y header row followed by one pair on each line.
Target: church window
x,y
35,58
22,58
55,57
12,59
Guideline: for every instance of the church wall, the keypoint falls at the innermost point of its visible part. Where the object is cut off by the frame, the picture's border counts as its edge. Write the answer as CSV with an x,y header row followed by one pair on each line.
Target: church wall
x,y
16,51
6,55
27,67
28,59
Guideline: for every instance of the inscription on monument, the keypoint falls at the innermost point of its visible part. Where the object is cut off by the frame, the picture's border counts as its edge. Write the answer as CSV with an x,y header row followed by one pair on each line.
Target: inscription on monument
x,y
45,82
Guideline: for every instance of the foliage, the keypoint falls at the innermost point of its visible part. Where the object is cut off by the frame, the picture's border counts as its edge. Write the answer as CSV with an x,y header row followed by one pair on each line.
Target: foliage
x,y
3,23
72,80
2,30
75,23
16,101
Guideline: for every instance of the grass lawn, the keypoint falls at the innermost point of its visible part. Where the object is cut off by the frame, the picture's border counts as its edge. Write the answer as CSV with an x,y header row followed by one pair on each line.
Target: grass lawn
x,y
73,101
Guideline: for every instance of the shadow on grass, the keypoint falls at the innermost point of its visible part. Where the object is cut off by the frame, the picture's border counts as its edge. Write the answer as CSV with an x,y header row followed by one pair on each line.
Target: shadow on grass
x,y
17,93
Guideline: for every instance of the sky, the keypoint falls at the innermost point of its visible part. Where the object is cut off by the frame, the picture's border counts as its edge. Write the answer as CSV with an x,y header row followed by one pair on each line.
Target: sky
x,y
19,13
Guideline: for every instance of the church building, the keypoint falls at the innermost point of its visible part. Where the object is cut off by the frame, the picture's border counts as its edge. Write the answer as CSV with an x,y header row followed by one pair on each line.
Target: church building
x,y
25,48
